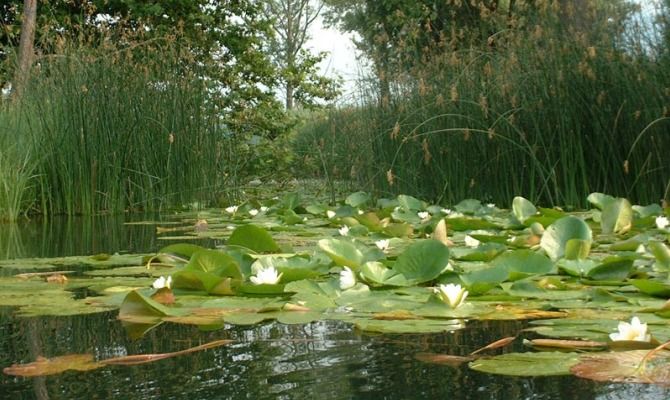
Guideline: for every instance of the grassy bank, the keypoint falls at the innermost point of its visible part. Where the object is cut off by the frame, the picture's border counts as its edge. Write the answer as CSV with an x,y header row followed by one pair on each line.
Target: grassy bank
x,y
533,110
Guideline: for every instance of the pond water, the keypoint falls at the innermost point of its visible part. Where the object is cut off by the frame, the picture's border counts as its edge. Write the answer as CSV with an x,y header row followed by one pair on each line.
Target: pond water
x,y
325,360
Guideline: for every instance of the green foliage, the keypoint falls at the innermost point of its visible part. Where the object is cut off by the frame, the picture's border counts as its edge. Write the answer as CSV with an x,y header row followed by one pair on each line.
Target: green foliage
x,y
506,106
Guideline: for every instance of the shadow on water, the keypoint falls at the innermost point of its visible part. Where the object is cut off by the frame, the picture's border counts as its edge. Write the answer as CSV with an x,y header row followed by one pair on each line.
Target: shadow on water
x,y
325,360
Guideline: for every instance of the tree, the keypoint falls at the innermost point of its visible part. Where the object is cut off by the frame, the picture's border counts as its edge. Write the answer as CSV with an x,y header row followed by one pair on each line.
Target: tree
x,y
225,41
25,46
299,76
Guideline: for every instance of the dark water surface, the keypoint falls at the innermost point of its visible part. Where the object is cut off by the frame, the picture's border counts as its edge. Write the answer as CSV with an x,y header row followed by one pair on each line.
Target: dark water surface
x,y
323,360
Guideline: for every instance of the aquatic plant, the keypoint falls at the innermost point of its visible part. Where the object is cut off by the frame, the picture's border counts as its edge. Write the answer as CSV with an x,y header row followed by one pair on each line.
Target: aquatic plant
x,y
576,279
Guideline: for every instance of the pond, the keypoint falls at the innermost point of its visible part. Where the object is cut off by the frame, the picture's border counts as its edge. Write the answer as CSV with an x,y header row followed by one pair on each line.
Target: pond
x,y
329,359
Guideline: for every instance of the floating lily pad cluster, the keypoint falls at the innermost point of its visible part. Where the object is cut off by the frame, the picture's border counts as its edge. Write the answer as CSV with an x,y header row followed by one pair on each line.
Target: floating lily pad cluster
x,y
391,266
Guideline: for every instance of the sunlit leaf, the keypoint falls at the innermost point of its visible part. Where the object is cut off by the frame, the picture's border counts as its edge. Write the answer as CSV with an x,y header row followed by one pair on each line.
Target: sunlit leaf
x,y
617,216
523,209
556,236
345,252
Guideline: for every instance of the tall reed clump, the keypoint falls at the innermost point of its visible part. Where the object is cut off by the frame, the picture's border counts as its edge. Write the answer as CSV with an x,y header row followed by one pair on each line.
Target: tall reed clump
x,y
17,167
537,108
118,129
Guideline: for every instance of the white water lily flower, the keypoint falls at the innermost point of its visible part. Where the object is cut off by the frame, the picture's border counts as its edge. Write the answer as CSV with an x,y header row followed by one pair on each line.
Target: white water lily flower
x,y
344,231
451,294
264,209
382,244
266,276
361,212
347,279
330,214
423,214
470,241
446,211
253,212
231,209
162,282
636,331
491,205
662,222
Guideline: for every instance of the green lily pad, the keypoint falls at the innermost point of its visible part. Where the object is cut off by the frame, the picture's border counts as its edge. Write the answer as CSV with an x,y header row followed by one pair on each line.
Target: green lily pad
x,y
254,238
349,253
652,288
612,269
662,254
378,274
557,235
528,364
523,263
523,209
600,200
358,199
422,261
617,217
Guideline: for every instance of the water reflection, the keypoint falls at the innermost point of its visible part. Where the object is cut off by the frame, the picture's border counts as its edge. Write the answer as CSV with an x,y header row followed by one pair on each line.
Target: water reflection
x,y
325,360
69,236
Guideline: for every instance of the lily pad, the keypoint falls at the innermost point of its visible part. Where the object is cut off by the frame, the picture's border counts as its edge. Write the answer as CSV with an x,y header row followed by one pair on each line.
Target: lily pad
x,y
528,364
557,235
423,261
254,238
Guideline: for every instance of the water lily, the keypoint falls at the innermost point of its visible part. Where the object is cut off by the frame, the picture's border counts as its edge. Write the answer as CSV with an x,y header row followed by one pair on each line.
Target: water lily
x,y
253,212
423,214
446,211
347,279
264,209
636,331
344,231
330,214
382,244
491,205
662,222
231,209
451,294
266,276
470,241
162,282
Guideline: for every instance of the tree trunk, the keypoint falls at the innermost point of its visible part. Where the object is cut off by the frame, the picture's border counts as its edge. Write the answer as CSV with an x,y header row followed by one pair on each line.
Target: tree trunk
x,y
26,44
289,96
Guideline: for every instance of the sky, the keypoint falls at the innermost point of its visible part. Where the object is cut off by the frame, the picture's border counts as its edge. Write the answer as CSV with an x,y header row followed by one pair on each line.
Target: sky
x,y
342,58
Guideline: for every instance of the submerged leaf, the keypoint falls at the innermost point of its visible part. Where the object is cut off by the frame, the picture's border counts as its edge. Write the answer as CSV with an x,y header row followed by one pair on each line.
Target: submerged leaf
x,y
625,366
52,366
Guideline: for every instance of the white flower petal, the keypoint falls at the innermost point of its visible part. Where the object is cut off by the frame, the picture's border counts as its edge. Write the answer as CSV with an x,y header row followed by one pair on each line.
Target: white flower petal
x,y
347,279
470,241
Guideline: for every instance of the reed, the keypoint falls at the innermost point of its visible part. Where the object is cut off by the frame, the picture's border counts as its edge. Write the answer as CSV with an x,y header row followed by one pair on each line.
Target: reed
x,y
115,130
547,113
